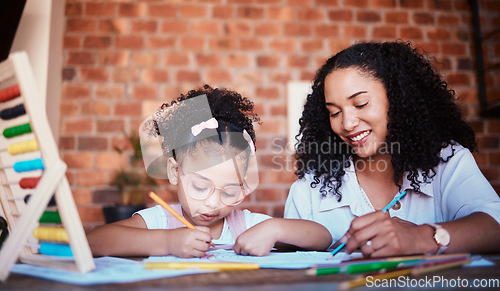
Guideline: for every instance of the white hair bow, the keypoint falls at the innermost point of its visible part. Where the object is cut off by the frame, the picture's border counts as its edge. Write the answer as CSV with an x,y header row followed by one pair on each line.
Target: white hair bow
x,y
211,123
248,138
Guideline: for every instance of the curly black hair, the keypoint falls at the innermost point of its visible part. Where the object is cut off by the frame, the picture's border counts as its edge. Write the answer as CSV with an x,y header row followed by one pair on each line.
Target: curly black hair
x,y
423,117
233,112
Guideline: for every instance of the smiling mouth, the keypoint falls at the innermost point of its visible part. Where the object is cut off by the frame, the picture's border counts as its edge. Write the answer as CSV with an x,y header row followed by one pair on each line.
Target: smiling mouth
x,y
360,136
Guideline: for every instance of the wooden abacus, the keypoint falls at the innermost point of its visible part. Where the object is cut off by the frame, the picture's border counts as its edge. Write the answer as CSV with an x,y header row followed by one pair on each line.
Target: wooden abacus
x,y
40,172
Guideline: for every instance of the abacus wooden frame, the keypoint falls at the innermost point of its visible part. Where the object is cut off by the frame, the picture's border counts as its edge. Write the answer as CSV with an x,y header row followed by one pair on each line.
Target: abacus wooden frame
x,y
53,180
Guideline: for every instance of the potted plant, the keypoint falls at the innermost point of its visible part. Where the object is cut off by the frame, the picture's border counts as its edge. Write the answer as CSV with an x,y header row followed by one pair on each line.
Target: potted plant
x,y
132,183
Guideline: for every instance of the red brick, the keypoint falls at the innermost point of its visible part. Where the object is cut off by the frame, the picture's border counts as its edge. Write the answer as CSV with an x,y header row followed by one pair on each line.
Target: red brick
x,y
176,59
494,158
268,61
481,159
238,28
368,16
143,92
192,43
162,10
456,49
113,58
128,108
80,160
110,126
438,34
156,42
109,91
268,93
223,43
280,177
296,61
125,75
140,59
354,3
188,76
75,91
429,47
282,45
110,161
383,3
384,32
487,142
131,42
67,143
281,13
97,108
115,26
268,29
77,125
412,33
397,17
80,58
97,42
94,74
237,60
444,5
206,27
279,77
448,20
211,60
224,12
311,14
144,26
91,143
82,196
423,18
412,4
90,214
307,75
354,31
131,10
100,9
90,178
251,44
218,76
155,76
251,12
320,3
193,11
297,29
493,125
80,25
71,42
326,30
343,15
249,77
73,9
69,108
311,45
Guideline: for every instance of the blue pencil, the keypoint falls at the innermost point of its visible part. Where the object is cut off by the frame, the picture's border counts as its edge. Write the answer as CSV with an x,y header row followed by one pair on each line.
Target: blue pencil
x,y
394,201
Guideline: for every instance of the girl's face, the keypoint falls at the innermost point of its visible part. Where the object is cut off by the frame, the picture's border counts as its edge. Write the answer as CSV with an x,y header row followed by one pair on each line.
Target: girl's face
x,y
358,107
222,179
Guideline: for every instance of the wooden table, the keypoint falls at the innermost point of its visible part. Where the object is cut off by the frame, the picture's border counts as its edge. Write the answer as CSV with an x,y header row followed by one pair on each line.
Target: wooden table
x,y
261,280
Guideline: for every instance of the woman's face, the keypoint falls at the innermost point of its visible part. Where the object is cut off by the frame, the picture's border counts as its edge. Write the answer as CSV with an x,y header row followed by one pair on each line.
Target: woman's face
x,y
358,107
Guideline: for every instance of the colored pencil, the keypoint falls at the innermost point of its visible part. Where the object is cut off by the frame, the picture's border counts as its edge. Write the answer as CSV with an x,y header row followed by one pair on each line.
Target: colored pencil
x,y
221,266
167,207
385,209
438,266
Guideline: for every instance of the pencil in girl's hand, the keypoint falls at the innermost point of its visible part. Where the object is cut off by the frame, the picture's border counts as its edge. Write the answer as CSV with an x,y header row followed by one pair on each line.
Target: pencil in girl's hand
x,y
167,207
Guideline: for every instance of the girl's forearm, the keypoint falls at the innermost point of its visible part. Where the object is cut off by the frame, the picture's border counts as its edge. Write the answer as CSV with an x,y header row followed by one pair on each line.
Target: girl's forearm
x,y
118,240
304,234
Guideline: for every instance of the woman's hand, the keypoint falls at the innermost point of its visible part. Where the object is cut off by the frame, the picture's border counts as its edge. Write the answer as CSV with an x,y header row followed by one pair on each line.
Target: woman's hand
x,y
257,240
187,243
379,235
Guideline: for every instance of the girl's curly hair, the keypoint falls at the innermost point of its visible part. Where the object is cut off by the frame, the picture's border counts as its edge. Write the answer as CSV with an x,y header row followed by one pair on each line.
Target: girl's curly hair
x,y
423,117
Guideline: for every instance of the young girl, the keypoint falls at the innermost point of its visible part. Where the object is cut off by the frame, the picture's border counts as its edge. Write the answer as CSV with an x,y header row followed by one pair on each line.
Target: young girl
x,y
392,126
204,144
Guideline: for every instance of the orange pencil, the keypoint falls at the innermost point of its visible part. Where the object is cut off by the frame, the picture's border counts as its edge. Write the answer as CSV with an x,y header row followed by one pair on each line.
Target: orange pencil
x,y
171,210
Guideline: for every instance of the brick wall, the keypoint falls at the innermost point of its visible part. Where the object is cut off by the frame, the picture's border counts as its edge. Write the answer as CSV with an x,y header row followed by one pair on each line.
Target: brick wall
x,y
123,57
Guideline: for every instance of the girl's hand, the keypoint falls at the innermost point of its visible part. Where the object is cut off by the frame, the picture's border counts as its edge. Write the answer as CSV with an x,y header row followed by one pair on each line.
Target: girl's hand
x,y
187,243
378,235
257,240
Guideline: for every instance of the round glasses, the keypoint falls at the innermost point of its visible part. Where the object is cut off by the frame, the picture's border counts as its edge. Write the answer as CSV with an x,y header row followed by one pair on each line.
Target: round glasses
x,y
200,188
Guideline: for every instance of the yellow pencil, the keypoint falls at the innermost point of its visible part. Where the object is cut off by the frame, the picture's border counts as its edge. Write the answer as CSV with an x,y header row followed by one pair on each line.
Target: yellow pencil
x,y
221,266
167,207
170,209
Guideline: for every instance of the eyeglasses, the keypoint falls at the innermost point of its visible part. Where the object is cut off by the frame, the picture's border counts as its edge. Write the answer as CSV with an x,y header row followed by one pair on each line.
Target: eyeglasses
x,y
201,188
